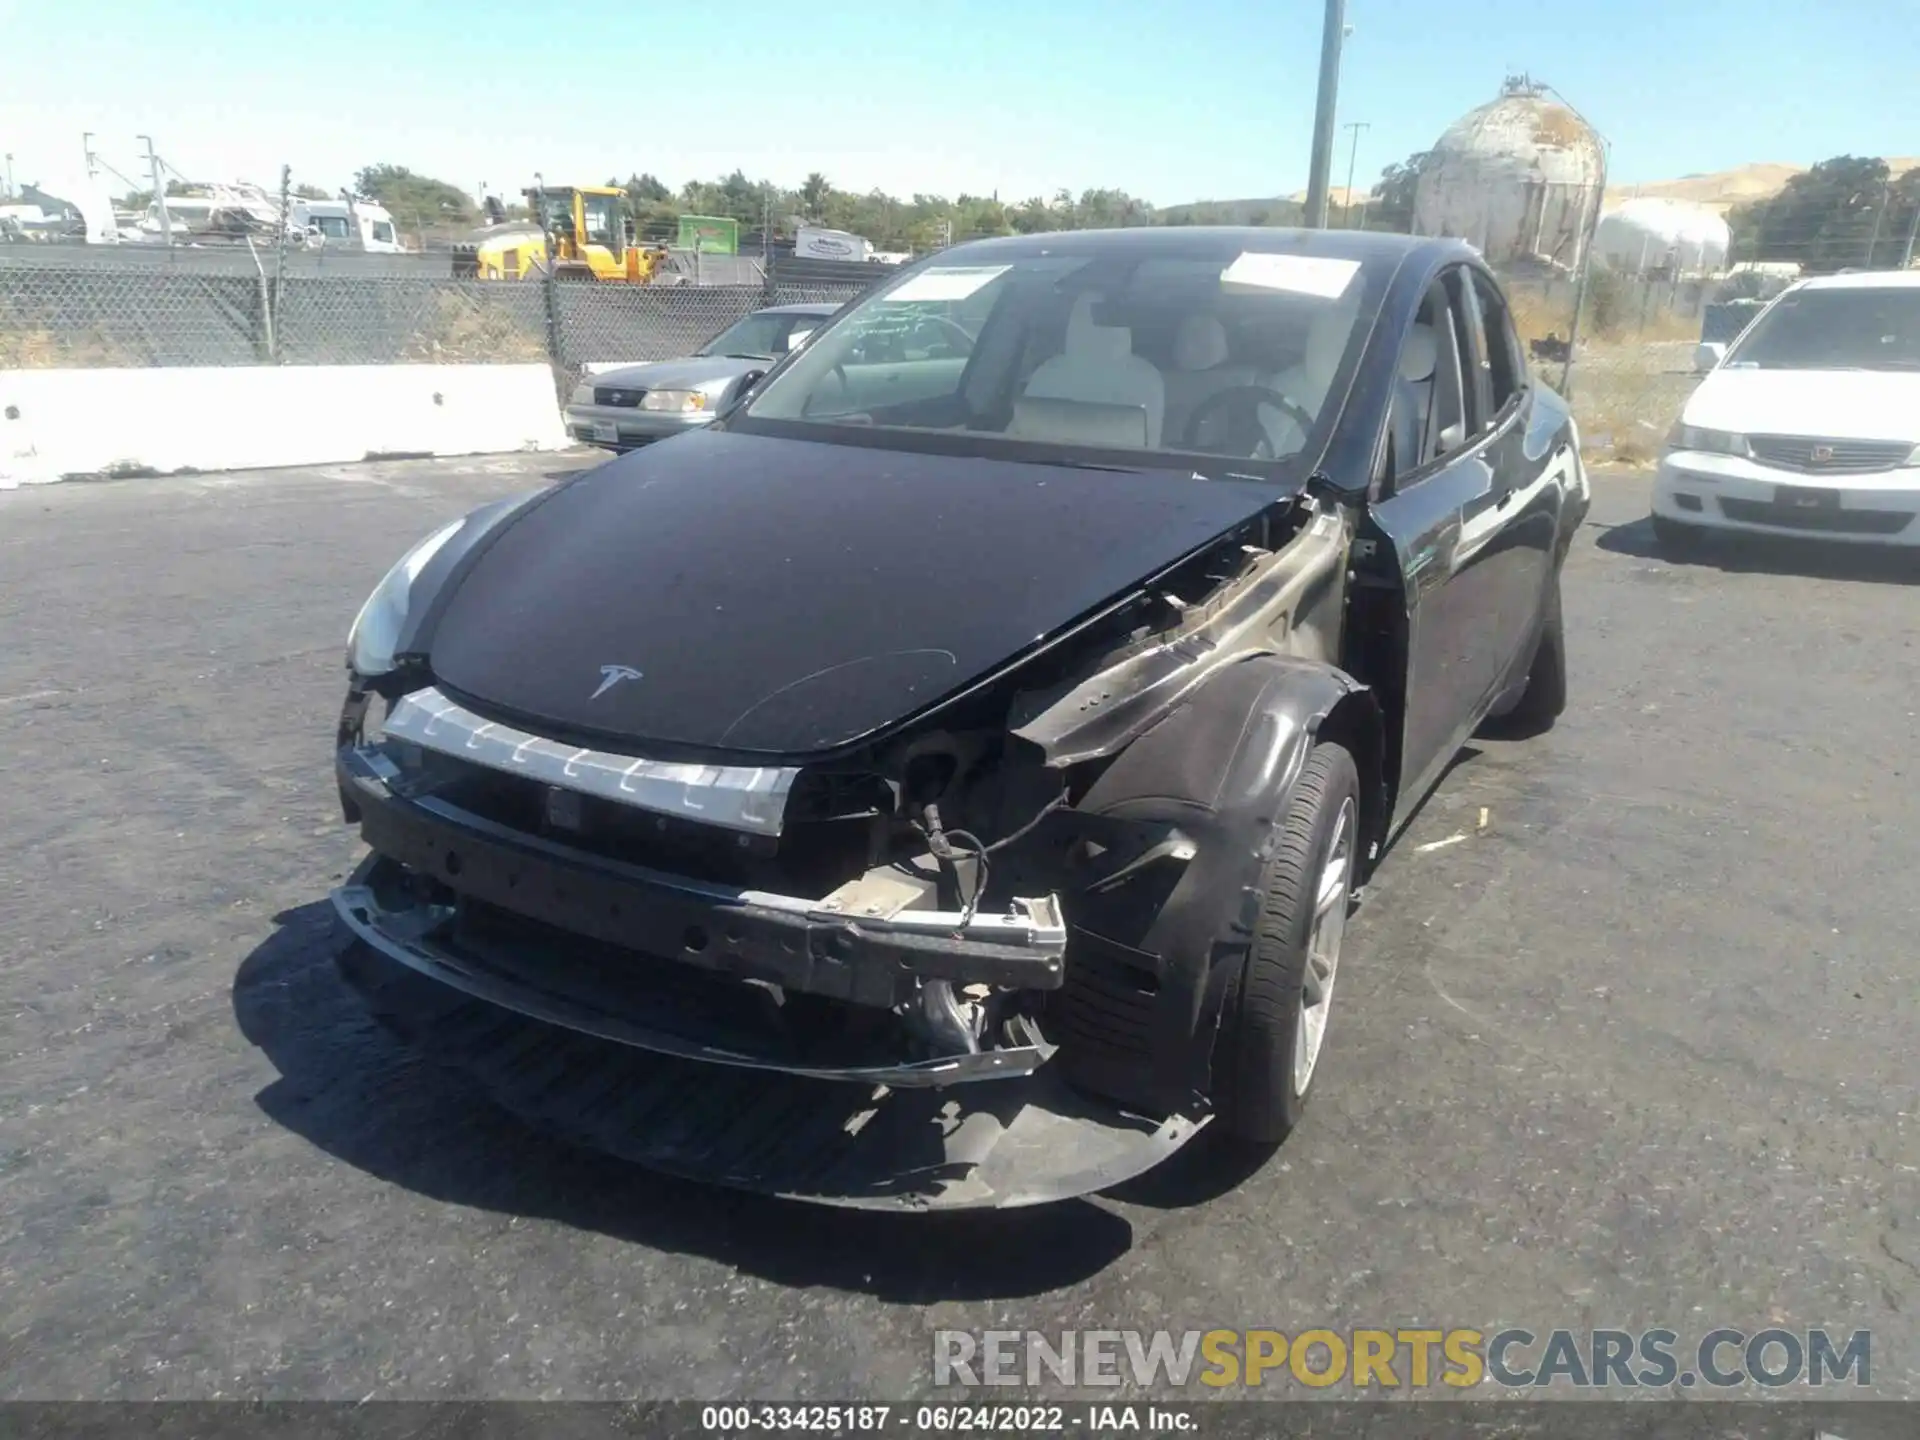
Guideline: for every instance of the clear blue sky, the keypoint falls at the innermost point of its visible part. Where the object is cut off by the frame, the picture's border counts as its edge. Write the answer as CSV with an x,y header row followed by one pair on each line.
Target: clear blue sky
x,y
1174,100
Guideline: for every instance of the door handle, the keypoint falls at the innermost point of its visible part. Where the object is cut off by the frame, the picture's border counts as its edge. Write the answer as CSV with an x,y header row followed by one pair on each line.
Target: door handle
x,y
1506,496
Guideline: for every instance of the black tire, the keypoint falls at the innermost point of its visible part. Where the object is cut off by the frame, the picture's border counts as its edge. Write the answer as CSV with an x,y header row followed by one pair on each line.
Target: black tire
x,y
1254,1094
1676,537
1545,697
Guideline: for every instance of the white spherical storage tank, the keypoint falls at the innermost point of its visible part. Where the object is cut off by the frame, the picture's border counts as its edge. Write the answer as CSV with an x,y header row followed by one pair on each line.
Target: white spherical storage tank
x,y
1520,178
1673,236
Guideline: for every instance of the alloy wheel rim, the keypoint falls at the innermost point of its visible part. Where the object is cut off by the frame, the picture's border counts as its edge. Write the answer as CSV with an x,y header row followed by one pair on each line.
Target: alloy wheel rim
x,y
1332,888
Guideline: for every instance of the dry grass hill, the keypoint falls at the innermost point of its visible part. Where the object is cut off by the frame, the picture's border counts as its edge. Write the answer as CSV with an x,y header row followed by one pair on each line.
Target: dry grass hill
x,y
1723,189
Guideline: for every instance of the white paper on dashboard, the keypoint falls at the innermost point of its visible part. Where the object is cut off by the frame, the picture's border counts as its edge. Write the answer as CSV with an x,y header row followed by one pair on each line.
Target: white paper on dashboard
x,y
948,282
1321,275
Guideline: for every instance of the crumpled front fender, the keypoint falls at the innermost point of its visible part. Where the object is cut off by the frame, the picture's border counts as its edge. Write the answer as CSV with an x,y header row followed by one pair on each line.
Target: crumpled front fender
x,y
1157,951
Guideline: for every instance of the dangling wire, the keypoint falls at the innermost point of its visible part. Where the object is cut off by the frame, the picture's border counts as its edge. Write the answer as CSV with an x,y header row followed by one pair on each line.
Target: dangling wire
x,y
972,906
940,845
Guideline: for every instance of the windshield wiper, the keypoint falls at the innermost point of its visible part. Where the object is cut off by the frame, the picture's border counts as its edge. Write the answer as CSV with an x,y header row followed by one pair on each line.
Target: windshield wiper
x,y
744,355
1112,469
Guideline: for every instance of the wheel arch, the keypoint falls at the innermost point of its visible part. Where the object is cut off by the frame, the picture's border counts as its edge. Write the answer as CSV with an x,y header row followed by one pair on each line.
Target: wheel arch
x,y
1355,723
1149,959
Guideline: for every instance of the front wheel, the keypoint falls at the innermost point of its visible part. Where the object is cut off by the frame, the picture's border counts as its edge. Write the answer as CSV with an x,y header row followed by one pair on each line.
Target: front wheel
x,y
1274,1023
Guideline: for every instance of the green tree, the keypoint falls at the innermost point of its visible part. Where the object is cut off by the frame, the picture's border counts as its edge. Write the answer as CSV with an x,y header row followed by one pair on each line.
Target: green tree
x,y
815,193
1391,205
646,190
1844,213
415,200
310,192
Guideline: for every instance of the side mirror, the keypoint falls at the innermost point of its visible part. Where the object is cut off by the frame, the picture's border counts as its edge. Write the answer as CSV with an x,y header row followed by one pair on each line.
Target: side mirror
x,y
1708,354
745,387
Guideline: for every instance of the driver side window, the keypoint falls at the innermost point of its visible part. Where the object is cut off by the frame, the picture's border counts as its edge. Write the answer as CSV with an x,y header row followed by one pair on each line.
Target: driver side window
x,y
1427,421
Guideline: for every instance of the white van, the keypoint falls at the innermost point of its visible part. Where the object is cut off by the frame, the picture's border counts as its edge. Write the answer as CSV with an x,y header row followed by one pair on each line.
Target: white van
x,y
346,224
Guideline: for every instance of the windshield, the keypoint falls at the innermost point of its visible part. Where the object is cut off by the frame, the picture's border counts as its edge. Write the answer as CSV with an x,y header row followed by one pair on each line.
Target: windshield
x,y
334,227
603,220
1205,354
1839,329
766,335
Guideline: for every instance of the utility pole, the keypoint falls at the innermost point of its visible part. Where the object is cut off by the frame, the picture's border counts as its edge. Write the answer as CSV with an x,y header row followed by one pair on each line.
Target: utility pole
x,y
9,175
1353,156
1886,192
1906,260
1318,171
159,189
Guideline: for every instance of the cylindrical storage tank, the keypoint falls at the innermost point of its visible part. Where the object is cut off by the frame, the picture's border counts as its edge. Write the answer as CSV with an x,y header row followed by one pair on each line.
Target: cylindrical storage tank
x,y
1519,178
1675,237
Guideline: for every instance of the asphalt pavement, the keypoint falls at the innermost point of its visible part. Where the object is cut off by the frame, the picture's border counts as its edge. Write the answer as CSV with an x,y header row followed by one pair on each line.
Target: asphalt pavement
x,y
1625,1035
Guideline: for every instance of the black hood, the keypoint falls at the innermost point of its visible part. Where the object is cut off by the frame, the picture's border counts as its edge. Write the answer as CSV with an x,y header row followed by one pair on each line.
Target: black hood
x,y
791,597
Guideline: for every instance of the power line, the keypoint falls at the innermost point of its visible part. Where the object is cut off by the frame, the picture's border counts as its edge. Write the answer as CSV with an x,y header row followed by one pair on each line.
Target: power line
x,y
1353,156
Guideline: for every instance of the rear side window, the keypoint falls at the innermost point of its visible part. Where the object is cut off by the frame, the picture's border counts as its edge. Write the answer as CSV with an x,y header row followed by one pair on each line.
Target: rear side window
x,y
1505,370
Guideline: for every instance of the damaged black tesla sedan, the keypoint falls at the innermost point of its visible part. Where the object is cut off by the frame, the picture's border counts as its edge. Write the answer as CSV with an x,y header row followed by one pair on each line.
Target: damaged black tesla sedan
x,y
944,780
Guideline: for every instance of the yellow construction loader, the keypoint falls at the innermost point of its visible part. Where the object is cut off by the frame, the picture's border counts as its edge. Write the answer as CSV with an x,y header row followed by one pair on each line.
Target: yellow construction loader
x,y
580,227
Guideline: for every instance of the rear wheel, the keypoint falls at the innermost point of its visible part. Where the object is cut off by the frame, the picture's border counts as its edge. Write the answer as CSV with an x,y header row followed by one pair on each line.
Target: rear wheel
x,y
1274,1023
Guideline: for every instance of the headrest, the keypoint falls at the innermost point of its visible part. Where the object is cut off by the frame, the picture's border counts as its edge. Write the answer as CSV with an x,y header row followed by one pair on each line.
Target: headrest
x,y
1418,355
1088,341
1078,422
1201,342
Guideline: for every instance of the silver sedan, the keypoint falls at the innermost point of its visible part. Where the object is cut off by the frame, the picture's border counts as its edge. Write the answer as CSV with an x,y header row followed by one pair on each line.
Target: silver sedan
x,y
638,404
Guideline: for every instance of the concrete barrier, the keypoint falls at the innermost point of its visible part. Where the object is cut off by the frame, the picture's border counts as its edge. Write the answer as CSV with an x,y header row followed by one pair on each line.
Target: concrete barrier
x,y
56,424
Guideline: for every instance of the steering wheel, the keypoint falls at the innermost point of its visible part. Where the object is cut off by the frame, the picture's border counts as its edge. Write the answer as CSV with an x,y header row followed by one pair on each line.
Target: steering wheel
x,y
1245,434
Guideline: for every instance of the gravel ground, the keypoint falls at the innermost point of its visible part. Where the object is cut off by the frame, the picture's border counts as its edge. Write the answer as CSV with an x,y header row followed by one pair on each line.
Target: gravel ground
x,y
1635,1051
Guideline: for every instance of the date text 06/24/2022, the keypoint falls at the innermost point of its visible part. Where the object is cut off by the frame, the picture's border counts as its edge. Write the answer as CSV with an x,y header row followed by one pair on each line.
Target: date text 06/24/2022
x,y
945,1419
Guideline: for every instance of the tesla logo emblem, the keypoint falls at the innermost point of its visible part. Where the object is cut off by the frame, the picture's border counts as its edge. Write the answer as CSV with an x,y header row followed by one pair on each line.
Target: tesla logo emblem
x,y
612,675
1822,454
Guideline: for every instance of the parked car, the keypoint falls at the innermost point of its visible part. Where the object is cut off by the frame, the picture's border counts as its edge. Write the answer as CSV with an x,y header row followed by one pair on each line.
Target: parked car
x,y
945,780
1808,425
636,404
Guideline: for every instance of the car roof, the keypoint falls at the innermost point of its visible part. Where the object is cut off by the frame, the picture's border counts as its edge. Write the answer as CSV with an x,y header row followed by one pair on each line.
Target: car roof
x,y
811,307
1864,280
1173,240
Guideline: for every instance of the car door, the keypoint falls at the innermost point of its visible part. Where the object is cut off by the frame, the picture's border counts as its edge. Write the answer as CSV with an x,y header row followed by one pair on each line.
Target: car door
x,y
1515,536
1436,506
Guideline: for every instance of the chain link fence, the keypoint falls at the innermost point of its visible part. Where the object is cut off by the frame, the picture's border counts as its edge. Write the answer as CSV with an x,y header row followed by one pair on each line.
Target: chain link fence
x,y
94,314
1627,363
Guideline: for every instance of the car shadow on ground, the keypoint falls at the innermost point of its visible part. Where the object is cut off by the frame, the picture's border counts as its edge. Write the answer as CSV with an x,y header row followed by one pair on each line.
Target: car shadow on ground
x,y
356,1093
1769,555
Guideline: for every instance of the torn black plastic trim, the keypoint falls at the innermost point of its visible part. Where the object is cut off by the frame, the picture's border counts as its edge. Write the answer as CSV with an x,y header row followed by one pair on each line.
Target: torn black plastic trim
x,y
1023,1140
1093,716
788,941
406,934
